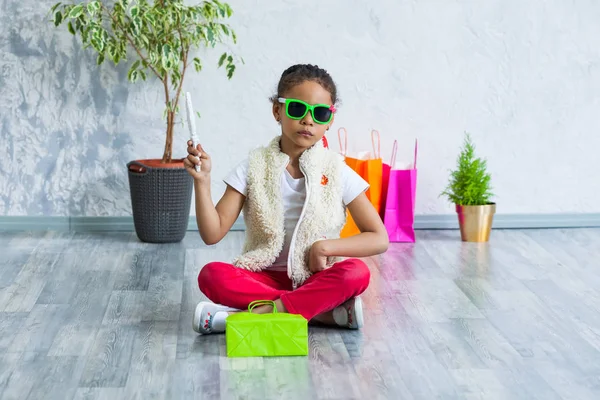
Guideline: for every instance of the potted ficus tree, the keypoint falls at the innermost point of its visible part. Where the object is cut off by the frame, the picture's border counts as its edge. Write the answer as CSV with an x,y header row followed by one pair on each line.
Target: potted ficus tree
x,y
158,39
469,189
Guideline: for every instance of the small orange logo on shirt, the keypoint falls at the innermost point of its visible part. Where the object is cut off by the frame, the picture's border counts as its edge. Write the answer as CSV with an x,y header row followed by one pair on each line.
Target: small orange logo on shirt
x,y
324,180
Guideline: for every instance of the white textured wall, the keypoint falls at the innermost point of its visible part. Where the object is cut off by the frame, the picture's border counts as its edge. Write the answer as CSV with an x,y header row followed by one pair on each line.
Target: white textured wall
x,y
522,76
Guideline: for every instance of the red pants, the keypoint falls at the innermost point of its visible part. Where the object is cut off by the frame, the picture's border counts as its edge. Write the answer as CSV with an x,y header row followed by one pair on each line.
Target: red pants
x,y
235,287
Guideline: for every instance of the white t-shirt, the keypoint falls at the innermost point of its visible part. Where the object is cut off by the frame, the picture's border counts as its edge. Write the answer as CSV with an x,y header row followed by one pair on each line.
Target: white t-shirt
x,y
294,193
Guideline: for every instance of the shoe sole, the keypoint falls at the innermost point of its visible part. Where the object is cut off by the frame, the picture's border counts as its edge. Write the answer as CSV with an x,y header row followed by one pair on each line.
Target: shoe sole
x,y
198,317
358,310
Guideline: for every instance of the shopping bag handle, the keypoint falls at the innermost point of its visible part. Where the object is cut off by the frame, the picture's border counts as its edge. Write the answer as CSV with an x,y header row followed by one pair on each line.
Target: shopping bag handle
x,y
343,149
415,162
376,153
395,150
256,303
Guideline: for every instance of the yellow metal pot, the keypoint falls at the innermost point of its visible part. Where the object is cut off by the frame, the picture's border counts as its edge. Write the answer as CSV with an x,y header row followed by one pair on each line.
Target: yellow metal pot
x,y
475,222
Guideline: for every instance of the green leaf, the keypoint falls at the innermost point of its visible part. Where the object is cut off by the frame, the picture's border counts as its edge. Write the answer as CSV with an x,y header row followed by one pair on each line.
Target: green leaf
x,y
97,42
175,77
224,27
145,40
197,64
136,64
71,29
133,75
93,7
166,57
150,18
206,12
54,7
112,50
143,74
222,59
166,50
193,14
58,17
76,11
85,34
153,57
198,114
100,59
230,71
200,31
135,11
137,25
105,37
122,51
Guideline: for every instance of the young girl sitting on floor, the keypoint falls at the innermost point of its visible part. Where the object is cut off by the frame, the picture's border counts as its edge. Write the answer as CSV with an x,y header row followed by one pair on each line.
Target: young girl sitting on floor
x,y
294,193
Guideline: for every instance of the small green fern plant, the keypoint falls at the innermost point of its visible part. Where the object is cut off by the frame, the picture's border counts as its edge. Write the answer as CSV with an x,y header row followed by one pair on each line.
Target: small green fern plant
x,y
469,183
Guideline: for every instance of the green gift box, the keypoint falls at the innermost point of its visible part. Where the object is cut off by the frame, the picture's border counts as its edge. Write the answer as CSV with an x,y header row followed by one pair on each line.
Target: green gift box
x,y
266,335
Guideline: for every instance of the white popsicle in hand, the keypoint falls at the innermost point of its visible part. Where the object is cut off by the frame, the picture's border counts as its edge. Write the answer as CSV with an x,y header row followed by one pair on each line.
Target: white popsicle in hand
x,y
191,122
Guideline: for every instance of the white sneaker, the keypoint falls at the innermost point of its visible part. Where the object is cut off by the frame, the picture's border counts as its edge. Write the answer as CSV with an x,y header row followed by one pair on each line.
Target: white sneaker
x,y
204,316
351,312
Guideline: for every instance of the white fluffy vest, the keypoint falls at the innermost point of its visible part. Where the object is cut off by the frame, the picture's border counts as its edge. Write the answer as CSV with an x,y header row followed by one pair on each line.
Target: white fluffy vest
x,y
323,215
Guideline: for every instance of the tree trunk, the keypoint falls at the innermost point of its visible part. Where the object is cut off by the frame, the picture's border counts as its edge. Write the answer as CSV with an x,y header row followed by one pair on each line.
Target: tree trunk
x,y
168,154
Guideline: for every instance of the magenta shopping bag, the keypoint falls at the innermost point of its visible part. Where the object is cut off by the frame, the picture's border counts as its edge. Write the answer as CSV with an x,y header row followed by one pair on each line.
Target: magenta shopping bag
x,y
399,216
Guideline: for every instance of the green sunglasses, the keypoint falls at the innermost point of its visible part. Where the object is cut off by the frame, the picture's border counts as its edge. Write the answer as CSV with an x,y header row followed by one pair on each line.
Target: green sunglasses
x,y
297,109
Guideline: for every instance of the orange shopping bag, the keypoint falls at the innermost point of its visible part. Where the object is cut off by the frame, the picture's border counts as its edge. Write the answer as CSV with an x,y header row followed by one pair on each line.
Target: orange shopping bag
x,y
370,167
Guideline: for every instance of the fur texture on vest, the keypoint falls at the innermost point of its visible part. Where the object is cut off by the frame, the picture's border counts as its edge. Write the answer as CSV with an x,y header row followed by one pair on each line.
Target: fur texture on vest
x,y
323,215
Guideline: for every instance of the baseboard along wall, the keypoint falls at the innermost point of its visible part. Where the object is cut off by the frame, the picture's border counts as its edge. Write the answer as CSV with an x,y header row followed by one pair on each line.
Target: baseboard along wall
x,y
125,224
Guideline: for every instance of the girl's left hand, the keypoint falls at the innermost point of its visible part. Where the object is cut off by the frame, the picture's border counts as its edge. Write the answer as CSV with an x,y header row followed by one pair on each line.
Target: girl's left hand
x,y
317,261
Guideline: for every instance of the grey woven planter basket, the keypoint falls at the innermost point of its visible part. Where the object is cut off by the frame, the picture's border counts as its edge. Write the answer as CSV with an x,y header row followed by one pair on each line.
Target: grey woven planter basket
x,y
160,201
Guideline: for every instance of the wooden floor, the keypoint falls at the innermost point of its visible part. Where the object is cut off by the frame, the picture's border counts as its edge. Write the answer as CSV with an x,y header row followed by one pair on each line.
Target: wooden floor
x,y
103,316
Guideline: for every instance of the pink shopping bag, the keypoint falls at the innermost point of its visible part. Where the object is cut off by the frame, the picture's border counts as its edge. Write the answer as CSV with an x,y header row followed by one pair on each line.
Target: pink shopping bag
x,y
399,215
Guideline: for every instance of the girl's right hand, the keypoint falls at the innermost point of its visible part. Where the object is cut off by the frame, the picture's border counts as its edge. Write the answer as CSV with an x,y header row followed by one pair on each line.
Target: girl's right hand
x,y
192,160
